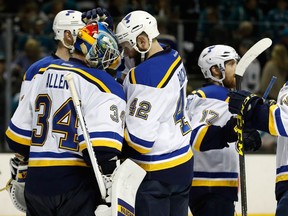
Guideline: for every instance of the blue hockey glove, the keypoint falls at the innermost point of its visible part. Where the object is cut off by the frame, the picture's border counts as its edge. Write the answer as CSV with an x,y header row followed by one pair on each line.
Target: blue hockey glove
x,y
251,139
243,103
98,14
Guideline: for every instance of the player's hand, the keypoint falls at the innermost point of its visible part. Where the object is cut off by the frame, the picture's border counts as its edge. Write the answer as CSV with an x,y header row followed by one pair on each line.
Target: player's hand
x,y
243,102
251,139
98,14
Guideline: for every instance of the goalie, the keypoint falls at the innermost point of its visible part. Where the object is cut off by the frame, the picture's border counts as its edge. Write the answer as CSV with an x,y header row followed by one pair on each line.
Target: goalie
x,y
44,128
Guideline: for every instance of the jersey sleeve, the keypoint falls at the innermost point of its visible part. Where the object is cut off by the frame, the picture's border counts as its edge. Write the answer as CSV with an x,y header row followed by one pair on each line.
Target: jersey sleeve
x,y
19,132
273,118
104,115
203,117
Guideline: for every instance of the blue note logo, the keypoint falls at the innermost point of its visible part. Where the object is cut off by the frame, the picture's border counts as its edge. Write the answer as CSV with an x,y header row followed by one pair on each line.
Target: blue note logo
x,y
69,12
127,18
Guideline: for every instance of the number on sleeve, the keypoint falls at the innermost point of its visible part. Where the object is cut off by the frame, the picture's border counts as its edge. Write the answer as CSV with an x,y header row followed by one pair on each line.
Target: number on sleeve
x,y
179,115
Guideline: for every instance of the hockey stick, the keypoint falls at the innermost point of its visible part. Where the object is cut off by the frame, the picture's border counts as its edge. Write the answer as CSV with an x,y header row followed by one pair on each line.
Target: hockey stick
x,y
241,67
76,101
266,93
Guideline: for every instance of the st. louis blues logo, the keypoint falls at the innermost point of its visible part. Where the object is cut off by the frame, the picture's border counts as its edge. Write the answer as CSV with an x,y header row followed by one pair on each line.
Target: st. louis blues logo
x,y
127,18
69,12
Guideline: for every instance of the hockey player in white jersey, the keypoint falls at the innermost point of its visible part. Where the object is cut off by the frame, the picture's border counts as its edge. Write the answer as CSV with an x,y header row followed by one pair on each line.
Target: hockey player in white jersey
x,y
157,130
271,117
65,26
215,183
44,128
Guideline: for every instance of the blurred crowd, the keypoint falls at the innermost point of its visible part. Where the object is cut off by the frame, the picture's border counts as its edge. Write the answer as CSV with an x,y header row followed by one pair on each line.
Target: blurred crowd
x,y
238,23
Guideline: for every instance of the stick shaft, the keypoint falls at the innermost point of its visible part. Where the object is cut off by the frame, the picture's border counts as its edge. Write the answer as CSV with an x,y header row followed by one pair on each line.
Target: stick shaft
x,y
76,101
242,168
267,91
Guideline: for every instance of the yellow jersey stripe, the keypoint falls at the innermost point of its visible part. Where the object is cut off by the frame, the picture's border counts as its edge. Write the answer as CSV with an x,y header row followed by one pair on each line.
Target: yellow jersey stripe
x,y
18,139
201,93
170,70
281,178
168,164
124,211
211,183
200,136
272,122
84,73
132,76
102,143
44,163
138,148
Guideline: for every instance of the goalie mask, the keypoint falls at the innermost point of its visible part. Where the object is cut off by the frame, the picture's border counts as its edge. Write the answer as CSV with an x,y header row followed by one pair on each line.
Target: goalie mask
x,y
135,23
216,55
67,20
98,44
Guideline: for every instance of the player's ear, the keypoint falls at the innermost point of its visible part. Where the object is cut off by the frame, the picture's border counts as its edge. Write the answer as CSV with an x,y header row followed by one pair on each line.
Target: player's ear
x,y
68,38
142,42
215,71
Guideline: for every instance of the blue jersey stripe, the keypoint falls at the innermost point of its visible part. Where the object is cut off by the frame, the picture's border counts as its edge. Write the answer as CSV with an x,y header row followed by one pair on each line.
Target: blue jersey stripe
x,y
106,134
53,155
162,157
14,128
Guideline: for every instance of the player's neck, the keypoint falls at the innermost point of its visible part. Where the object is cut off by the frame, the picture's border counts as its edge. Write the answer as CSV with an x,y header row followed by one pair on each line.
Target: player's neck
x,y
155,48
63,53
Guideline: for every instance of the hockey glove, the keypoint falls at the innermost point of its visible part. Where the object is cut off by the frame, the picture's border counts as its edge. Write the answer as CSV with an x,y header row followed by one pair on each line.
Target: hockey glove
x,y
243,103
16,185
98,14
251,139
229,132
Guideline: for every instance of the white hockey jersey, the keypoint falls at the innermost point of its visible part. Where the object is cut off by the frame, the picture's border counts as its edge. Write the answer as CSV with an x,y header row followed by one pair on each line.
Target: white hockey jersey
x,y
216,170
47,124
157,124
274,119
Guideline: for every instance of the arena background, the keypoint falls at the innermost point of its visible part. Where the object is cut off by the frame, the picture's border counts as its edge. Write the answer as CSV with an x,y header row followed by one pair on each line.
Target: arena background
x,y
26,35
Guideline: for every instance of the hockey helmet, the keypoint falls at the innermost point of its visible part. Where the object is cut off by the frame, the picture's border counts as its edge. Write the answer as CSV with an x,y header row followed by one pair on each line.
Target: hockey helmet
x,y
67,20
216,55
98,43
133,24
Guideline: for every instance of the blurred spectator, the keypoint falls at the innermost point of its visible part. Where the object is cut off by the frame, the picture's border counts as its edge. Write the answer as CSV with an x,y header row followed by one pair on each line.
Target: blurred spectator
x,y
227,6
114,8
284,38
2,97
165,37
162,9
276,66
139,5
244,32
209,17
38,32
248,12
6,6
22,61
252,75
51,8
277,19
27,16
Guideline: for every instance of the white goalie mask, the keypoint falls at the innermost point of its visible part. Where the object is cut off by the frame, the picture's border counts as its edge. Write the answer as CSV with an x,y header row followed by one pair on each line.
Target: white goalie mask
x,y
133,24
216,55
67,20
